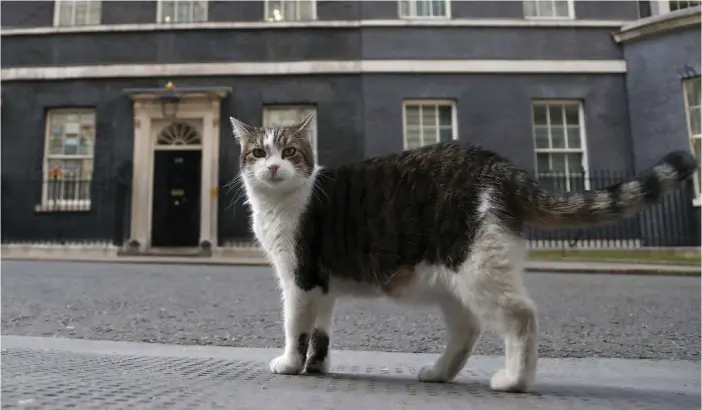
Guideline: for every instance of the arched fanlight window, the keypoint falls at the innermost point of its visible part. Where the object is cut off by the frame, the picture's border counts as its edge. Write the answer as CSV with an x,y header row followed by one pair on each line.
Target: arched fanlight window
x,y
179,134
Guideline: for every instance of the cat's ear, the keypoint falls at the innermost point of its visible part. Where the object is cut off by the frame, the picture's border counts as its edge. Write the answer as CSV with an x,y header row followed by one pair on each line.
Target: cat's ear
x,y
303,126
241,130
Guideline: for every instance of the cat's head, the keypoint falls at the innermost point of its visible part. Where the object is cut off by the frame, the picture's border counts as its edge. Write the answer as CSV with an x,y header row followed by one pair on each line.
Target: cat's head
x,y
275,158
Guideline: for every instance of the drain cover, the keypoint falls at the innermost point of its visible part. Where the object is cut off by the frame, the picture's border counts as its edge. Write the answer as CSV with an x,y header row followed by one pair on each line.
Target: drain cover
x,y
55,379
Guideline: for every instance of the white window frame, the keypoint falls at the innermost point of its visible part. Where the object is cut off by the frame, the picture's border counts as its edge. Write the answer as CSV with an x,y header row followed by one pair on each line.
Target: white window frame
x,y
413,6
160,17
659,7
67,205
301,107
570,16
57,13
687,4
697,201
583,139
437,103
266,9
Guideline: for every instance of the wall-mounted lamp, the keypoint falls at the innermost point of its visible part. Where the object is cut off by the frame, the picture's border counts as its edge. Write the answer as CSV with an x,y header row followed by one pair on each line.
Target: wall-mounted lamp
x,y
170,101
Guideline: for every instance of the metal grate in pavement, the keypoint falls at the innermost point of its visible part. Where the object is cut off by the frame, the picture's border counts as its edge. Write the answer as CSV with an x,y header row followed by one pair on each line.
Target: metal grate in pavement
x,y
49,379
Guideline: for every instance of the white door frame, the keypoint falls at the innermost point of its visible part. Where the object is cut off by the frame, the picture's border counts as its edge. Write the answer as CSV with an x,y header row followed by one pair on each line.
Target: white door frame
x,y
203,107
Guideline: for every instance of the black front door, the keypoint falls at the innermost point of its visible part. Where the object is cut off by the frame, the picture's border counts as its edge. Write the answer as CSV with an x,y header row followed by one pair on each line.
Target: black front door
x,y
176,211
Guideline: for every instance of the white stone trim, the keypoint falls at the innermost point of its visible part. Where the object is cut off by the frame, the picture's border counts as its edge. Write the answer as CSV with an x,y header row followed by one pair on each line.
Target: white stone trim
x,y
314,67
196,107
657,24
249,25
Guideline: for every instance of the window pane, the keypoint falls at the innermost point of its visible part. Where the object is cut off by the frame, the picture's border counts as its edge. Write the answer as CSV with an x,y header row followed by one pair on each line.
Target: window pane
x,y
431,135
200,11
692,89
542,163
65,17
429,115
558,137
541,137
439,8
572,114
307,9
423,8
695,121
413,138
530,8
445,115
412,115
644,9
183,12
573,137
561,8
70,145
555,114
540,114
404,8
167,11
290,10
546,8
575,163
94,12
446,133
558,163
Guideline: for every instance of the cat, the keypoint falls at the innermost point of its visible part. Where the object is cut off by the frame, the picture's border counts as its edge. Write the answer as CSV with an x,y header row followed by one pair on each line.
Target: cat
x,y
442,225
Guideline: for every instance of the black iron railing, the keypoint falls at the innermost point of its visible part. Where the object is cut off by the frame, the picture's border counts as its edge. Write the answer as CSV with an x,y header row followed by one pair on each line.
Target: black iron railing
x,y
78,210
669,222
64,210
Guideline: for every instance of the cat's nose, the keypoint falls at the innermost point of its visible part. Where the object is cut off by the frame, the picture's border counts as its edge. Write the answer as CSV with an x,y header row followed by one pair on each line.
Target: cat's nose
x,y
273,169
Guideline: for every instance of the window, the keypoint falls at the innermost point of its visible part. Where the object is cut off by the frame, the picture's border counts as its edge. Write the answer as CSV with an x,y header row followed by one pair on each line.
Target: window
x,y
291,10
549,9
682,4
289,115
654,7
693,101
559,138
182,11
424,8
68,160
75,12
428,122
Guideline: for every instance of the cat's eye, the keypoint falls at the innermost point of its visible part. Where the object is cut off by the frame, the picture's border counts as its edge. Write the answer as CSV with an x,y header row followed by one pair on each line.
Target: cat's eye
x,y
289,152
258,153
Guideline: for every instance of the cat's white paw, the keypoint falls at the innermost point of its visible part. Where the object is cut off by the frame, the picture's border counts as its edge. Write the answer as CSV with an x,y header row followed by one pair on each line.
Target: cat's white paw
x,y
286,365
507,382
318,367
429,374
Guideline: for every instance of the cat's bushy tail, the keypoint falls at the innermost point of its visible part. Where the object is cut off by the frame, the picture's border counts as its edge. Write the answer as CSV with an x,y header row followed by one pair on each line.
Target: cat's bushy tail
x,y
547,209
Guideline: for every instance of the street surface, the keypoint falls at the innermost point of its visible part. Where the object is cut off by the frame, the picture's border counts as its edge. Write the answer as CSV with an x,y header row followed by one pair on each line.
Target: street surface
x,y
581,315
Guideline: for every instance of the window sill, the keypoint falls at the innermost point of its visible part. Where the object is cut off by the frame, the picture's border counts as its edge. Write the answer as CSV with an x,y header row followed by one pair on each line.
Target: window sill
x,y
66,206
697,202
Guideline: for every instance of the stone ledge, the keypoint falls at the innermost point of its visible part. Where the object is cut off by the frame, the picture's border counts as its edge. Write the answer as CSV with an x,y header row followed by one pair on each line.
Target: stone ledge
x,y
663,23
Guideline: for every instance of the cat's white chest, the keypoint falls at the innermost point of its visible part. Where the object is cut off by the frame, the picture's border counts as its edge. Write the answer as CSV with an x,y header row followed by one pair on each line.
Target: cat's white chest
x,y
277,235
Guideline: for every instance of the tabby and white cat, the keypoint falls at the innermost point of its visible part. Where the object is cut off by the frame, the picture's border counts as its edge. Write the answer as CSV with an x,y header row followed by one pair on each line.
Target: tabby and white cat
x,y
442,225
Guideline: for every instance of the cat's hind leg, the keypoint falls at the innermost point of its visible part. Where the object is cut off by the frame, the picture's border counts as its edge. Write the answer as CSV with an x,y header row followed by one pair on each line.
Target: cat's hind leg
x,y
493,288
463,331
318,350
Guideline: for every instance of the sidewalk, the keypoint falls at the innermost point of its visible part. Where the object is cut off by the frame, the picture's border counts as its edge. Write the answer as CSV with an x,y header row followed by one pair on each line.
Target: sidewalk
x,y
50,373
250,259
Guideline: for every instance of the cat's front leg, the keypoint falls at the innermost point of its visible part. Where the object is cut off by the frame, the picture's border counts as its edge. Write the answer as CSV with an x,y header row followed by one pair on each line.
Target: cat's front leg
x,y
299,313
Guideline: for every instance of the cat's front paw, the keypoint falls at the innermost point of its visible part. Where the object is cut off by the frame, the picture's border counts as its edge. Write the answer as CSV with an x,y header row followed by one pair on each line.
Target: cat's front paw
x,y
317,366
286,365
429,374
507,382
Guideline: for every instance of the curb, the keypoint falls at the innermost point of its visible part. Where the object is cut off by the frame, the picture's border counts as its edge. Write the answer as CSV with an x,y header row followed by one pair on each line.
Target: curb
x,y
616,271
673,270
